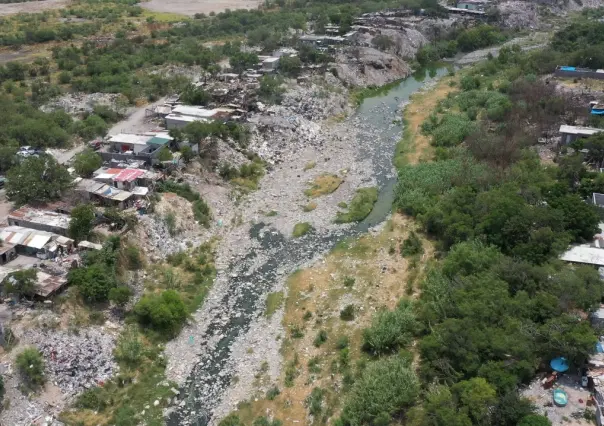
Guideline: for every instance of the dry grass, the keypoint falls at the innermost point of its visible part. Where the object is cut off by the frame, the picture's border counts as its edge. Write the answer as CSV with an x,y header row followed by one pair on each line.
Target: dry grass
x,y
586,84
310,165
381,277
323,185
415,147
310,207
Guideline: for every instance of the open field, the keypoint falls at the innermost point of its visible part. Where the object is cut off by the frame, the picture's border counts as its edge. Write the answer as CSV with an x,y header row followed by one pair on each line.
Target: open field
x,y
31,6
191,7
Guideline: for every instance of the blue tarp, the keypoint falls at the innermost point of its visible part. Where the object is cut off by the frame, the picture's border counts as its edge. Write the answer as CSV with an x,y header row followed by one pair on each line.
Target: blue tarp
x,y
597,111
559,364
560,397
599,348
568,68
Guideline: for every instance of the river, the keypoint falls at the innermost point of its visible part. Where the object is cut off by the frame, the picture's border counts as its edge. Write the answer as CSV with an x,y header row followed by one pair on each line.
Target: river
x,y
276,255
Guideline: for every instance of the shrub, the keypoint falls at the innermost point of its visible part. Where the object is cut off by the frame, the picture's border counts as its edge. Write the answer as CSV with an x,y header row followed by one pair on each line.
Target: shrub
x,y
321,338
133,258
347,314
22,283
81,222
86,162
301,229
349,281
201,212
94,282
387,386
342,342
31,367
92,399
272,393
314,401
412,245
452,130
390,330
165,312
129,348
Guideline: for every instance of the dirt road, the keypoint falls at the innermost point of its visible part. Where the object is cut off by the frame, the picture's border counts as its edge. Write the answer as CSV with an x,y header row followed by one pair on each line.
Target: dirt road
x,y
191,7
31,6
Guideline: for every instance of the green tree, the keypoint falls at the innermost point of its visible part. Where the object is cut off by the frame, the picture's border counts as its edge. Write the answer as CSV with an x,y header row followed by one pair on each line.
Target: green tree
x,y
290,65
120,295
22,283
535,420
240,61
390,330
270,90
382,42
164,154
86,162
385,388
439,409
37,180
81,222
187,153
165,312
31,366
94,282
477,397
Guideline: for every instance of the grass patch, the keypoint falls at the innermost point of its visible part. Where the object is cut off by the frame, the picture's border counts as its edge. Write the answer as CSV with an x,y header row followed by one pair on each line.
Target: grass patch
x,y
342,205
310,207
272,213
310,165
360,206
359,95
274,301
301,229
323,185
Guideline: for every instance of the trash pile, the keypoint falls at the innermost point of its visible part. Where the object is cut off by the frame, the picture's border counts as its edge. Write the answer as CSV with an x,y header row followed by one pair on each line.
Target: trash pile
x,y
76,362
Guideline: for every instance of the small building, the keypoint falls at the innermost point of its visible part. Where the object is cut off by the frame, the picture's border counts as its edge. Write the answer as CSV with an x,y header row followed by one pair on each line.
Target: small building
x,y
584,255
32,242
472,4
48,285
271,64
183,115
104,194
572,133
332,29
285,51
598,200
87,245
42,220
7,253
578,72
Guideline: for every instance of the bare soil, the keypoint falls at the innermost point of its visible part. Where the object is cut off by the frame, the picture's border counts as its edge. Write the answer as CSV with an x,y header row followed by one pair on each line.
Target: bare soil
x,y
191,7
31,6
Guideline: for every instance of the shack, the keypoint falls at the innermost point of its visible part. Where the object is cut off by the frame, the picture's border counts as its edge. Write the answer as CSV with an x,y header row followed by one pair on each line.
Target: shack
x,y
103,194
472,4
42,220
32,242
577,72
572,133
183,115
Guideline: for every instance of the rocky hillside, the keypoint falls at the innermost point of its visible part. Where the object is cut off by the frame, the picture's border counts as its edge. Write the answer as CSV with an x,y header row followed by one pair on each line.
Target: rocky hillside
x,y
366,66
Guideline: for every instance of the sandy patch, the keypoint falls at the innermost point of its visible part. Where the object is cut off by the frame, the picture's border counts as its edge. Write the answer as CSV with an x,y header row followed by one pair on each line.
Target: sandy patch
x,y
191,7
31,6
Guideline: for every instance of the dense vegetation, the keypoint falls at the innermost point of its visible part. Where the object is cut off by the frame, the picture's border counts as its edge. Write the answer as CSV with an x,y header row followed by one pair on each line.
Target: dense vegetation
x,y
499,305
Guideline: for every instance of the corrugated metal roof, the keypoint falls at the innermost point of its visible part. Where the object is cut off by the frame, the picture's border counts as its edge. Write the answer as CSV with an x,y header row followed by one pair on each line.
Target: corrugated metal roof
x,y
128,175
37,241
579,130
42,217
158,141
584,254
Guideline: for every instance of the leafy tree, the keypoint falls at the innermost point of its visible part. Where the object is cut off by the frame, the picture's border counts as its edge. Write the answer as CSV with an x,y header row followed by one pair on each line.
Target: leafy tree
x,y
120,295
187,153
390,330
535,420
290,65
195,96
385,388
240,61
31,367
477,397
36,180
21,283
164,154
439,409
270,90
94,282
81,222
86,162
165,312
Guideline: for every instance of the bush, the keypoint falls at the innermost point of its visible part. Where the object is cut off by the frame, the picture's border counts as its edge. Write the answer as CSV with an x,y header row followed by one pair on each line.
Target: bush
x,y
22,283
165,312
120,295
314,401
272,393
94,282
86,162
321,338
301,229
129,349
390,330
387,386
412,245
342,342
134,260
347,314
31,367
94,399
452,130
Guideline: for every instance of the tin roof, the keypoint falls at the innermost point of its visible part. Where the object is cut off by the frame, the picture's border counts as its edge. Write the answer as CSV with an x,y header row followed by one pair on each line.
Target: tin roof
x,y
48,284
43,217
128,175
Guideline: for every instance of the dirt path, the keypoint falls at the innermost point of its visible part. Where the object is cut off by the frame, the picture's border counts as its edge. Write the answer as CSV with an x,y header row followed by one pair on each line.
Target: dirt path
x,y
135,122
191,7
31,6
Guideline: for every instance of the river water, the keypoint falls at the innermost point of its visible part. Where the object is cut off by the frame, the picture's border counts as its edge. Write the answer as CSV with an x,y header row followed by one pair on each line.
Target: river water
x,y
278,255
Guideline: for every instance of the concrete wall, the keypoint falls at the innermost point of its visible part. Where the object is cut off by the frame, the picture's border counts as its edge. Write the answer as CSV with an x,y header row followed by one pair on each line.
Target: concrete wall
x,y
579,74
38,226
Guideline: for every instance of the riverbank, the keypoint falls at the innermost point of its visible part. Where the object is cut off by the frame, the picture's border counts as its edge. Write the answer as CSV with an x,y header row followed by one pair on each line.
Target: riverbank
x,y
236,349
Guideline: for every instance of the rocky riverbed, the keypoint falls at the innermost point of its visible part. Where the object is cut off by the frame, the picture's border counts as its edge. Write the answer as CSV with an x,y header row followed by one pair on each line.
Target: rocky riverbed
x,y
217,356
